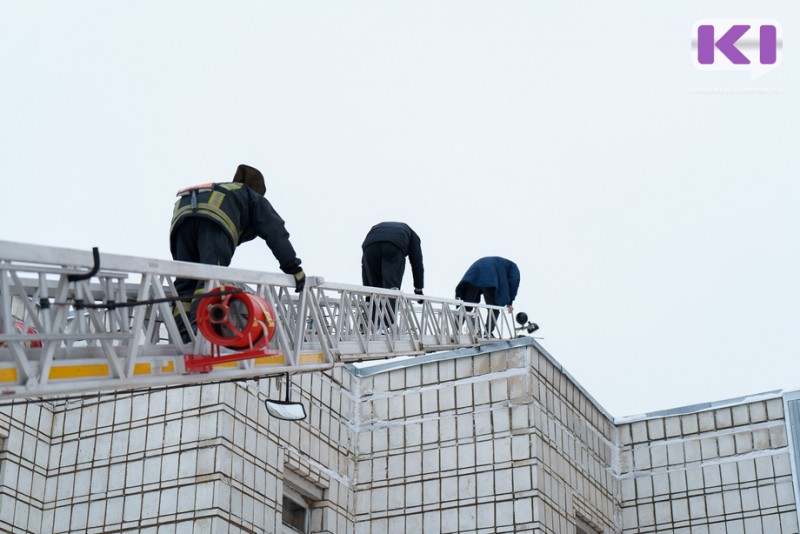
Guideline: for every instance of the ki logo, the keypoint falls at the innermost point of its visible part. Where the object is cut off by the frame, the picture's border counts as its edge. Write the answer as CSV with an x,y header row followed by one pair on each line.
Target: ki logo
x,y
754,45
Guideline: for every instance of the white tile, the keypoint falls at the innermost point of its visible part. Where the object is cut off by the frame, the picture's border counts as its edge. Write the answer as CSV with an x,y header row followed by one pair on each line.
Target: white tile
x,y
430,491
150,502
781,464
395,466
466,487
660,484
697,507
499,390
767,497
644,487
187,463
430,373
714,505
464,396
689,424
741,415
655,429
172,433
641,458
484,453
397,438
82,485
732,501
430,461
396,498
132,510
430,401
694,478
628,489
758,412
413,464
522,478
523,510
711,476
680,510
448,458
483,423
724,418
747,470
672,426
775,409
413,405
777,437
706,421
467,518
658,455
761,439
447,398
447,371
465,426
663,511
630,519
431,522
520,447
502,450
503,481
691,450
133,473
136,439
785,493
500,420
380,439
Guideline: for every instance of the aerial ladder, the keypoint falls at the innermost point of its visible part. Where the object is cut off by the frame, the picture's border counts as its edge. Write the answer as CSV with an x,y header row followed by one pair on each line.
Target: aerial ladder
x,y
74,321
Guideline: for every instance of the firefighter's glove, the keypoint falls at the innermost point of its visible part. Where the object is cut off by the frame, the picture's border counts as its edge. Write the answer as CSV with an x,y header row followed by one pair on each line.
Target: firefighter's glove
x,y
299,281
418,292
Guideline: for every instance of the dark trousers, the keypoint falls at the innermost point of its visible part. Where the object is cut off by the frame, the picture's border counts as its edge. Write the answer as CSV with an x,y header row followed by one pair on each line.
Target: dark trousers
x,y
473,294
383,265
198,240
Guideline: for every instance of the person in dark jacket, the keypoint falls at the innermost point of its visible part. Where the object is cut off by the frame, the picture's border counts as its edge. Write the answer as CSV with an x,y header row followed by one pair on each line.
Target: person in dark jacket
x,y
496,278
384,256
211,220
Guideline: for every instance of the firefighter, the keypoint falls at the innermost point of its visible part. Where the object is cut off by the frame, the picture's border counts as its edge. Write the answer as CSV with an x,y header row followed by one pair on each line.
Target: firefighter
x,y
211,220
384,256
497,279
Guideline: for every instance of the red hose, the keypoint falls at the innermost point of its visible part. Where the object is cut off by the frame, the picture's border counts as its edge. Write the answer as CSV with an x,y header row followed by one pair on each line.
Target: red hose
x,y
237,321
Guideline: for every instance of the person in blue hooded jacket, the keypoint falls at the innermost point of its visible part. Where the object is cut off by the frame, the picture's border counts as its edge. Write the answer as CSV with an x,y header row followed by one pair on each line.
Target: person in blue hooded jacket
x,y
496,278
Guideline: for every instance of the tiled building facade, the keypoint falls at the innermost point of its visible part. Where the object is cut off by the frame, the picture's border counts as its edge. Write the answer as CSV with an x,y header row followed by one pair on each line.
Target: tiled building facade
x,y
496,439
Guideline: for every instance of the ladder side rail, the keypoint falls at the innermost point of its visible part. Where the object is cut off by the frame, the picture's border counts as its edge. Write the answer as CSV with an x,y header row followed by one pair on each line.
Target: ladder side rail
x,y
142,382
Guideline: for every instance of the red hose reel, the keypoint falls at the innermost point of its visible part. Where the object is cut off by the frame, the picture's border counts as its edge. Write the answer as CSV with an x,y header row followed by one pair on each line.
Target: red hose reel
x,y
236,320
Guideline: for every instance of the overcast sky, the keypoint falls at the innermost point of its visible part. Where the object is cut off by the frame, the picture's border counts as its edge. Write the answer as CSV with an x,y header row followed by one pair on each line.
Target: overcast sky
x,y
655,225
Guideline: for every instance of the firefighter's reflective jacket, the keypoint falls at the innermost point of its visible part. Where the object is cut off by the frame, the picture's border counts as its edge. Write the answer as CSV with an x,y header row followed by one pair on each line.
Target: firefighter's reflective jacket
x,y
243,213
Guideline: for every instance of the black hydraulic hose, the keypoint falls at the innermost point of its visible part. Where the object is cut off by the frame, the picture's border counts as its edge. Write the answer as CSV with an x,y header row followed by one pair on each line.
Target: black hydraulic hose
x,y
86,276
112,304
